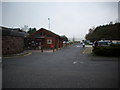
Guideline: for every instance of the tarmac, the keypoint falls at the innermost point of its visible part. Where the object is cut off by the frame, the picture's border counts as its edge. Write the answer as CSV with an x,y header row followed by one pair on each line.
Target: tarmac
x,y
88,50
0,59
26,53
65,68
0,73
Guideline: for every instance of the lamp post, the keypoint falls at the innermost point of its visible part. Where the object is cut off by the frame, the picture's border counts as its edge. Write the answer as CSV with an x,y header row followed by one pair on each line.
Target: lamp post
x,y
49,23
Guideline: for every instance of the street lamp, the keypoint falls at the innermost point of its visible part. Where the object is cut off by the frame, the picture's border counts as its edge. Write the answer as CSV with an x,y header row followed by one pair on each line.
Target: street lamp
x,y
49,23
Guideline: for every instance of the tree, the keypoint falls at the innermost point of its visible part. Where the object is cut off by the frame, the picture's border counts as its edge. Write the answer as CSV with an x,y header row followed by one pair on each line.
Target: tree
x,y
64,38
110,31
31,30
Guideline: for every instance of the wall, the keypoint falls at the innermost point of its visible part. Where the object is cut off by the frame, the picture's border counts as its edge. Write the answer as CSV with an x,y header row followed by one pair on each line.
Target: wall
x,y
60,43
12,45
57,43
47,46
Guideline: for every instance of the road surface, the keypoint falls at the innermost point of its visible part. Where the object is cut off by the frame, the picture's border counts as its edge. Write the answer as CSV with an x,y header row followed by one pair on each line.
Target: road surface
x,y
66,68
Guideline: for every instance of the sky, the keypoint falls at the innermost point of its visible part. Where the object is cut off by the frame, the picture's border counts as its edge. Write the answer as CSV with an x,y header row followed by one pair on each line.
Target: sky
x,y
0,13
72,19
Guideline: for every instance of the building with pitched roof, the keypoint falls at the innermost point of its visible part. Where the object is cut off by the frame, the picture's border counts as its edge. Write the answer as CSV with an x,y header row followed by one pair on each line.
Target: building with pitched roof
x,y
12,40
44,39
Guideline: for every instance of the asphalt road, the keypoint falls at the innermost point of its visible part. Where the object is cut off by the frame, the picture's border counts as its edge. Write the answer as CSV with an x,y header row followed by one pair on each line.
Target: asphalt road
x,y
66,68
0,75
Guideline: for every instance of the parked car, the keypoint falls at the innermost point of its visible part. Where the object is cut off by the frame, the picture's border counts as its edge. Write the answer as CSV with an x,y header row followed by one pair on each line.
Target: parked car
x,y
90,43
115,42
103,43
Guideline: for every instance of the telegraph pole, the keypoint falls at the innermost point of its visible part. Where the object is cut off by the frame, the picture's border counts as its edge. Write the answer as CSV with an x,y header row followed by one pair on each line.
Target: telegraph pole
x,y
49,23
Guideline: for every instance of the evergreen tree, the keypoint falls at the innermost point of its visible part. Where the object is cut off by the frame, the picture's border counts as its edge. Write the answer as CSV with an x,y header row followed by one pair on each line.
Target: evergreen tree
x,y
31,30
64,38
110,31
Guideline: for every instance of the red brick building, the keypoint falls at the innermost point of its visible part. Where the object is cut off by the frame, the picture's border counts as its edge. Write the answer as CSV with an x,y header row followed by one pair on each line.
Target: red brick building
x,y
45,39
12,40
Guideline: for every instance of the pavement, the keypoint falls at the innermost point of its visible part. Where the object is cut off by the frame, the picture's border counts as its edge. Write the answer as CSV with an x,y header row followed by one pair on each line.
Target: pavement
x,y
26,53
0,73
65,68
29,52
88,50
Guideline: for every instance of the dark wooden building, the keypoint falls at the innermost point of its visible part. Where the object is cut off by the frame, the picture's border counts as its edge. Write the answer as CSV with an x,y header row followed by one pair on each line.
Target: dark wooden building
x,y
12,40
44,39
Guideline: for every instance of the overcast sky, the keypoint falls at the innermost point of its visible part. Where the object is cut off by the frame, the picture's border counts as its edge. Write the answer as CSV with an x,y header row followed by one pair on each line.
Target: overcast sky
x,y
66,18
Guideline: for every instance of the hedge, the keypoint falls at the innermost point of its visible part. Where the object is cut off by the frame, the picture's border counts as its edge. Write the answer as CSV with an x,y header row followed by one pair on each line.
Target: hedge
x,y
113,50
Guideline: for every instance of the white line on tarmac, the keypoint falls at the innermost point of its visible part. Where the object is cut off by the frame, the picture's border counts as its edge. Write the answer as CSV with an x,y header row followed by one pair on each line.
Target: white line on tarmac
x,y
74,62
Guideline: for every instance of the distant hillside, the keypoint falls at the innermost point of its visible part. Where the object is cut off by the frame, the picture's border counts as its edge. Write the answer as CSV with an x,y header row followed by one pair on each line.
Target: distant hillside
x,y
107,32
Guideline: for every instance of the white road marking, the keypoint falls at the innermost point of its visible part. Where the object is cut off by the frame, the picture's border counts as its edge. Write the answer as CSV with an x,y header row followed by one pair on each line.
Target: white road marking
x,y
77,62
74,62
85,46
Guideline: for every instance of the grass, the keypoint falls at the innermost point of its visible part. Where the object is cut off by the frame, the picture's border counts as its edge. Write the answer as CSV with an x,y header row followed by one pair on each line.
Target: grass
x,y
88,50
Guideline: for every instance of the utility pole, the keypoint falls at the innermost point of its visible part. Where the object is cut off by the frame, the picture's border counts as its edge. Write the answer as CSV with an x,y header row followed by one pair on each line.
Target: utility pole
x,y
73,39
49,23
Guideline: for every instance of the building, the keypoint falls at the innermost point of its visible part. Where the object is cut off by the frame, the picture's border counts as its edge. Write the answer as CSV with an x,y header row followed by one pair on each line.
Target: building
x,y
44,39
12,40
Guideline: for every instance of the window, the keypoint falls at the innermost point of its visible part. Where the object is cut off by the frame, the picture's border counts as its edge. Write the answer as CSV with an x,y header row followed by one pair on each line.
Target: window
x,y
49,41
48,35
42,33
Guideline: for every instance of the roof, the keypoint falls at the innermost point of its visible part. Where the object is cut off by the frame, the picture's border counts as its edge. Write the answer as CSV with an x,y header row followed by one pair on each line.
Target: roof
x,y
37,33
12,32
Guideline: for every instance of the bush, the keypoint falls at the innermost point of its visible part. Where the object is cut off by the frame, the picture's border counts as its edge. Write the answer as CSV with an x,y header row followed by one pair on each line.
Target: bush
x,y
115,45
113,50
